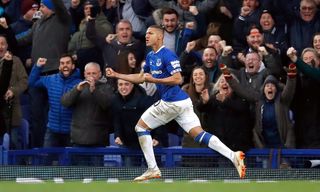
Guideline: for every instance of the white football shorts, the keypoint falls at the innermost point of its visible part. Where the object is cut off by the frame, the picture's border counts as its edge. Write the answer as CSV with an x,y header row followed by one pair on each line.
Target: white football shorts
x,y
162,112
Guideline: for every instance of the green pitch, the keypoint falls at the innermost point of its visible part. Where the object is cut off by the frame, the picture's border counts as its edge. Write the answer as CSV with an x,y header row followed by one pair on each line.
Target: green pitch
x,y
158,186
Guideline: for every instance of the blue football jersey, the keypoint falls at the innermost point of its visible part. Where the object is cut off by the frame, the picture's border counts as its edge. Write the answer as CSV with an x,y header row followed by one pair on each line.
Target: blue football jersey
x,y
161,64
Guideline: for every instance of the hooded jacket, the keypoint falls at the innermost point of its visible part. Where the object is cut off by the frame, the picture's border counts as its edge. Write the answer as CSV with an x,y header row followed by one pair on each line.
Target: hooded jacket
x,y
282,102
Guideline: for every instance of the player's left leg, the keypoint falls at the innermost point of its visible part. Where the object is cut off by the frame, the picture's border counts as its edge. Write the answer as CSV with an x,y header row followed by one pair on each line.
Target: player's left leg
x,y
213,142
190,122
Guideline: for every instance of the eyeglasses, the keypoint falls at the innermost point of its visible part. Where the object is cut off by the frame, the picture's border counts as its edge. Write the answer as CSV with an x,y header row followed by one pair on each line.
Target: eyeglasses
x,y
305,8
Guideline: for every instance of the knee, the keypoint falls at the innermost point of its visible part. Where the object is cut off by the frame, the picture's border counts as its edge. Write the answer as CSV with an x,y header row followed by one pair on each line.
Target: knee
x,y
139,128
203,137
141,131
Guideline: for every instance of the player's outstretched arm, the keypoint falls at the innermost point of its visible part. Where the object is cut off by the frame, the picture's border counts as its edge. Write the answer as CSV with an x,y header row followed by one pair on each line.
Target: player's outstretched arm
x,y
134,78
175,79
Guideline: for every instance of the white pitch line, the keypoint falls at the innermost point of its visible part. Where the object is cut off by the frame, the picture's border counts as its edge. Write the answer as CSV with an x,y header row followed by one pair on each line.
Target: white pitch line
x,y
87,180
198,181
112,180
29,180
236,181
168,180
266,181
58,180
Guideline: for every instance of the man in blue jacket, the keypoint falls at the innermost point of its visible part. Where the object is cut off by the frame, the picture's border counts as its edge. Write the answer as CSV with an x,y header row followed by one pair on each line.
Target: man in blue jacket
x,y
59,117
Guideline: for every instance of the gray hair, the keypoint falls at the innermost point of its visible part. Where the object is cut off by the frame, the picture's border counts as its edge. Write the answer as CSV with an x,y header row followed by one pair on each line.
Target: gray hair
x,y
94,64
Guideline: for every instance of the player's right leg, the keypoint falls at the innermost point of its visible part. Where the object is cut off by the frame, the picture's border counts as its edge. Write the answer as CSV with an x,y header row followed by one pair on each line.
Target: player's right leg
x,y
239,163
158,114
145,142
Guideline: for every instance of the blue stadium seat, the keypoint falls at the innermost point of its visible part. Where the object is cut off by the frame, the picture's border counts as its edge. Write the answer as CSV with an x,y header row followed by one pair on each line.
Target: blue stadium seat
x,y
112,160
24,131
111,140
6,141
25,106
174,140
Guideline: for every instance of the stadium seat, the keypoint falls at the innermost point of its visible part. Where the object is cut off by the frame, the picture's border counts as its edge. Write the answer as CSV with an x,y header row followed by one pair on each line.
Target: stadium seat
x,y
112,160
6,141
24,131
111,140
173,140
25,106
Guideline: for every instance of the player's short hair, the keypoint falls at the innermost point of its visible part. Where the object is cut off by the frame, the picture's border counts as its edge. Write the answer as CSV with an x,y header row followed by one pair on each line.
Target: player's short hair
x,y
157,27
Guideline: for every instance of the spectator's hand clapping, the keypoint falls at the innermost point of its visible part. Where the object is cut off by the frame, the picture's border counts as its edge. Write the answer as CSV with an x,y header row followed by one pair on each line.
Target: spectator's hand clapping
x,y
220,96
7,56
92,83
82,85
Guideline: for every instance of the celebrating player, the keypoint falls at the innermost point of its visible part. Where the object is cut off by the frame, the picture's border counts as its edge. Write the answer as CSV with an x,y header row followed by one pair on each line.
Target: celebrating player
x,y
163,68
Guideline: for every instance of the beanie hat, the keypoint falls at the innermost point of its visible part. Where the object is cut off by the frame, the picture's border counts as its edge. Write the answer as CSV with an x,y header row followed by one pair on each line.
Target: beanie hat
x,y
48,3
267,11
96,9
272,79
92,2
26,5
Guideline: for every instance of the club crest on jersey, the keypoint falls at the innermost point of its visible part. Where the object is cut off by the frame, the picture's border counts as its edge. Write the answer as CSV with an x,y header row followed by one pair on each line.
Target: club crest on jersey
x,y
158,63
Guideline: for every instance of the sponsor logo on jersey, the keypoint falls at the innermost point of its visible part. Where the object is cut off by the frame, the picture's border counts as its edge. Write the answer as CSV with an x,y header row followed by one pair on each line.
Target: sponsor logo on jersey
x,y
157,72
